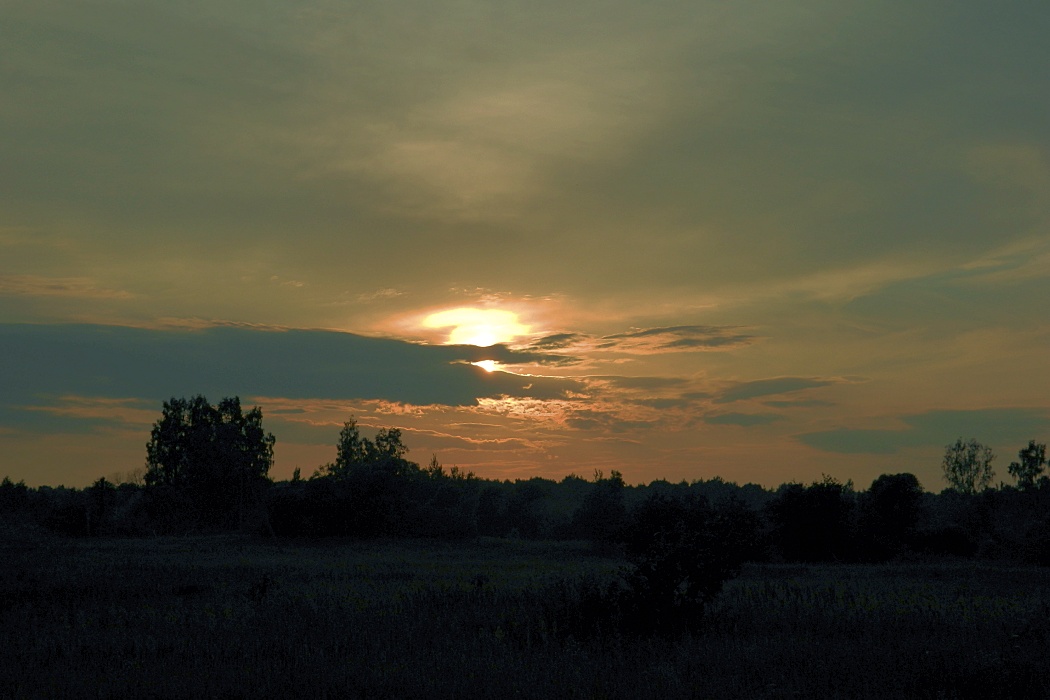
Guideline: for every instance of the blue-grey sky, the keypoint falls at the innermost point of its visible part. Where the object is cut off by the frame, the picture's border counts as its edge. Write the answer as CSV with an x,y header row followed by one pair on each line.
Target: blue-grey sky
x,y
761,240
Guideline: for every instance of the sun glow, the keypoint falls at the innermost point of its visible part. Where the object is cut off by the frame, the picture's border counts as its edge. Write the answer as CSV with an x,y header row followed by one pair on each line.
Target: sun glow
x,y
487,365
480,327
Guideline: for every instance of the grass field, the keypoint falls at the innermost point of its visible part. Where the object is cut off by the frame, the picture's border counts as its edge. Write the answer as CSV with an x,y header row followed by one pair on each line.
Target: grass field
x,y
236,617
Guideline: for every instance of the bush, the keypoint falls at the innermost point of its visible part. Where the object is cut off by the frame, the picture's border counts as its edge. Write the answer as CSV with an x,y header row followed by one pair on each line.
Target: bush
x,y
950,540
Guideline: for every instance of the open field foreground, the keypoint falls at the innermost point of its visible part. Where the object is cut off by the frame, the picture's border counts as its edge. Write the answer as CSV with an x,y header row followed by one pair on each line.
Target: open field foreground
x,y
236,617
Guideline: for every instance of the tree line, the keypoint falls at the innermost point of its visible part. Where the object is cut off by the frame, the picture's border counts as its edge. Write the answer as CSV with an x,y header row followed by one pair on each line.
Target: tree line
x,y
207,470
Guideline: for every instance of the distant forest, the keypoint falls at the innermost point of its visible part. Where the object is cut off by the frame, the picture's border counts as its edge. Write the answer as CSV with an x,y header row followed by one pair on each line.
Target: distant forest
x,y
207,470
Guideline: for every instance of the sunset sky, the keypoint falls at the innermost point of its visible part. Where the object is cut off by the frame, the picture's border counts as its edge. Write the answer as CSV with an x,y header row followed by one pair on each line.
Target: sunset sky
x,y
762,240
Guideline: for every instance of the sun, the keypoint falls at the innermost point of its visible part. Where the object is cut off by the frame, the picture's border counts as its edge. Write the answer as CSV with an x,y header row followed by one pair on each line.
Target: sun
x,y
480,327
487,365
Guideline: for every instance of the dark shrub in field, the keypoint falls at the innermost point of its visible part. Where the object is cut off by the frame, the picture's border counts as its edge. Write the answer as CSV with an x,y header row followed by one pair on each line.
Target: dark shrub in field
x,y
949,540
602,515
682,551
813,523
890,512
1037,543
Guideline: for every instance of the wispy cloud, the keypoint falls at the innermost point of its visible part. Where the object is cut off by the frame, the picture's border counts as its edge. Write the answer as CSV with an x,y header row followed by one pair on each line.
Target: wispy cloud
x,y
742,419
936,428
650,341
380,295
770,387
678,339
76,287
134,412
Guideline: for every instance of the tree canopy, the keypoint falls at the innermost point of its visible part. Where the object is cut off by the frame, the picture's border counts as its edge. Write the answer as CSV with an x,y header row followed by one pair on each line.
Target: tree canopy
x,y
967,466
211,458
1030,466
353,452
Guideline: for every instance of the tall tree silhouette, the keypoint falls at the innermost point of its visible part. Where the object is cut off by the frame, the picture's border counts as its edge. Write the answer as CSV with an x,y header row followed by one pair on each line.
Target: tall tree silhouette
x,y
602,516
209,460
813,523
1030,466
354,453
967,466
890,513
370,481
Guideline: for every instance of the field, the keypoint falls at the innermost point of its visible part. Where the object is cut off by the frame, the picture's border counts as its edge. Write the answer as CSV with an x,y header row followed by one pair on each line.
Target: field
x,y
237,617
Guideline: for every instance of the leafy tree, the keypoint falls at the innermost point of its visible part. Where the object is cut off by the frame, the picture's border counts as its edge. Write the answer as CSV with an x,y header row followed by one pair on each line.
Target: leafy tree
x,y
1030,467
890,513
602,516
967,466
525,514
813,523
211,459
101,496
13,497
353,452
373,482
445,502
682,552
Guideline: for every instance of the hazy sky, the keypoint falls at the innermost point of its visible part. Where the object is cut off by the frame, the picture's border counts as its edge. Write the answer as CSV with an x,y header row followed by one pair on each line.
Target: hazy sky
x,y
760,240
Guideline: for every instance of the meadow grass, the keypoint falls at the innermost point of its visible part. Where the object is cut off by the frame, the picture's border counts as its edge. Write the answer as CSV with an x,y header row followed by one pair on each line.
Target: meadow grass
x,y
237,617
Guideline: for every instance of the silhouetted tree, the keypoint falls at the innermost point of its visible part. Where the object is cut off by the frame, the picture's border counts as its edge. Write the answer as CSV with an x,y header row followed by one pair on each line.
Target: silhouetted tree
x,y
813,523
523,512
445,502
492,510
602,516
682,552
967,466
1030,466
13,497
354,452
375,483
213,460
101,496
889,514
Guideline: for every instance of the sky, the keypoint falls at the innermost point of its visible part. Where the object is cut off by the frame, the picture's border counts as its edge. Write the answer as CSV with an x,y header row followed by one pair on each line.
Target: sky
x,y
758,240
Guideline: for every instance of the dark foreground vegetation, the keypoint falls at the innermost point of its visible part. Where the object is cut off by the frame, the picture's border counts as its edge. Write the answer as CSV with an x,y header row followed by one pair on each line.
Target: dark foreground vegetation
x,y
376,577
231,616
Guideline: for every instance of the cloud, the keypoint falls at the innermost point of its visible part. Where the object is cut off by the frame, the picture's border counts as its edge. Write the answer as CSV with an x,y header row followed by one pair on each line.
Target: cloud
x,y
768,387
76,287
558,341
663,403
1013,426
641,383
650,341
677,339
595,420
742,419
380,294
444,440
503,354
47,362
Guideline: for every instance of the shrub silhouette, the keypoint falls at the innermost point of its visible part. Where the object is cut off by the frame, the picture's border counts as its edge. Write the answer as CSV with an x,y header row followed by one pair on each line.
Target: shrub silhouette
x,y
602,516
681,552
890,512
812,523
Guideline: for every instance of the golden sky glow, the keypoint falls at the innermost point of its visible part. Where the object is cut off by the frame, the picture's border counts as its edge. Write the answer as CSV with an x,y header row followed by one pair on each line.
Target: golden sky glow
x,y
762,240
481,327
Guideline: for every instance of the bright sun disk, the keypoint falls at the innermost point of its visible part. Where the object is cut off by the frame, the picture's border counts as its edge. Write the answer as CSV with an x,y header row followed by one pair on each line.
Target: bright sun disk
x,y
480,327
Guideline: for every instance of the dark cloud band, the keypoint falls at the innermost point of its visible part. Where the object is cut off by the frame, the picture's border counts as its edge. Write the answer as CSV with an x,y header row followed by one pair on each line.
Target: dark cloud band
x,y
43,362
